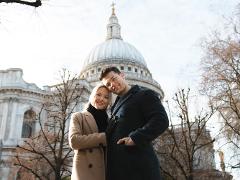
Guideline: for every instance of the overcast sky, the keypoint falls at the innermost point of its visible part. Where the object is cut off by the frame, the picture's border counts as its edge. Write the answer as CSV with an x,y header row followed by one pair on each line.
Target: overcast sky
x,y
61,33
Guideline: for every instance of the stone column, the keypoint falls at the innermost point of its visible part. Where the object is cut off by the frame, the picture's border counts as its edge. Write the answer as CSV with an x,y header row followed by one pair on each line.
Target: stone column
x,y
4,118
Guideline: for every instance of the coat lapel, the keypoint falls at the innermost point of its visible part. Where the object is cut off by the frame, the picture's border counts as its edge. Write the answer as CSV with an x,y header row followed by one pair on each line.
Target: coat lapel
x,y
119,104
90,122
122,101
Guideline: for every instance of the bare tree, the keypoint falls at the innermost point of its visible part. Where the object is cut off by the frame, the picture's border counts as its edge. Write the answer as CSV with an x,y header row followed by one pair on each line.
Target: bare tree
x,y
221,81
35,3
47,155
188,146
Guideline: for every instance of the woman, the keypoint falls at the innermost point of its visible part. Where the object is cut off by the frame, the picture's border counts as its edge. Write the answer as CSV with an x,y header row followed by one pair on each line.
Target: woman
x,y
87,137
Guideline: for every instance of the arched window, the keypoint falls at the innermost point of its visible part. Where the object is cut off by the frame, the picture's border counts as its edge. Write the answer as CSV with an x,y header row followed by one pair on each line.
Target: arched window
x,y
28,124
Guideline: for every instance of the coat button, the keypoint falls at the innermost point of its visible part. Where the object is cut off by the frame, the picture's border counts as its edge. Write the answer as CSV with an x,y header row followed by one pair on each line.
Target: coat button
x,y
90,165
90,150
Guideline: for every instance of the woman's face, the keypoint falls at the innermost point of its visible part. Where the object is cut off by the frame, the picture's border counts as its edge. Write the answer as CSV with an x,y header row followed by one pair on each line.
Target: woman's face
x,y
101,98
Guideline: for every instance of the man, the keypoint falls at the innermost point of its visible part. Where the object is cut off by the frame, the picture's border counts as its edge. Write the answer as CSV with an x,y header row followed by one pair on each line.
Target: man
x,y
137,118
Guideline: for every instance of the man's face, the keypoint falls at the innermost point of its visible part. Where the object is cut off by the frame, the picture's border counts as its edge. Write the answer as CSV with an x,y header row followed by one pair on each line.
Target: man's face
x,y
115,82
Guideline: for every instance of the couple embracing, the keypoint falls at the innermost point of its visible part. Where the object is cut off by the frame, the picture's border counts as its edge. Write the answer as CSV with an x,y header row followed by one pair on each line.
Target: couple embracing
x,y
117,147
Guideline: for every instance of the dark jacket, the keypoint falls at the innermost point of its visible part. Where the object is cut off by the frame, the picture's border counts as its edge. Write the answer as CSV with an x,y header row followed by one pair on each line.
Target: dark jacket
x,y
140,115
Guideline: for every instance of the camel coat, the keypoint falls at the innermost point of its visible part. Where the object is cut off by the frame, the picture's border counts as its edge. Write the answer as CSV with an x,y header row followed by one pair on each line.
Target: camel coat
x,y
87,143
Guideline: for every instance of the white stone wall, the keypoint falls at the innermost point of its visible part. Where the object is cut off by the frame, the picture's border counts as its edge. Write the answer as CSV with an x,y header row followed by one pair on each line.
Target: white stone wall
x,y
13,78
17,97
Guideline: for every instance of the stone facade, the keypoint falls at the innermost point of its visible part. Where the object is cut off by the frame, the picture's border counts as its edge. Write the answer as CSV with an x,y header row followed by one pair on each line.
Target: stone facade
x,y
20,100
177,153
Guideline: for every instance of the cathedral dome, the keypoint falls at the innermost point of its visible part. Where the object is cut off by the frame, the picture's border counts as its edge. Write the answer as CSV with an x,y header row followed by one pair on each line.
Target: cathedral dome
x,y
114,50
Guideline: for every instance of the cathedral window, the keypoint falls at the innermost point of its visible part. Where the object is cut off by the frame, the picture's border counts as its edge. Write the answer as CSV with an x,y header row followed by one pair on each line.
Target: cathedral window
x,y
92,71
20,173
111,31
122,68
136,70
129,68
28,124
99,69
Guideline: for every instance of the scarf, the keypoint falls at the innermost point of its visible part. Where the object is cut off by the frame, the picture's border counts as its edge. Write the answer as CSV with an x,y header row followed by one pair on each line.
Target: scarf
x,y
100,116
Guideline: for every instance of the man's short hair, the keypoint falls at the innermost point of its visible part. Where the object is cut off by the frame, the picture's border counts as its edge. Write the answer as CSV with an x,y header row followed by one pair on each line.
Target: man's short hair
x,y
108,70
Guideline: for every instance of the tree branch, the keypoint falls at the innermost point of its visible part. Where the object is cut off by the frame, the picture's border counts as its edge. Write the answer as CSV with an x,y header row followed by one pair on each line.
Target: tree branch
x,y
36,3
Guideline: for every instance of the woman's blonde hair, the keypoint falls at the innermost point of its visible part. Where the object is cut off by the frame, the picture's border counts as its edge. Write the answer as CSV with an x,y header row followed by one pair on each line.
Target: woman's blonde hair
x,y
94,91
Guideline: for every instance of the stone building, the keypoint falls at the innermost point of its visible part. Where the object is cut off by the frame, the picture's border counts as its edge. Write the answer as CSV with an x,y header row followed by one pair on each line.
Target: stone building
x,y
186,152
19,100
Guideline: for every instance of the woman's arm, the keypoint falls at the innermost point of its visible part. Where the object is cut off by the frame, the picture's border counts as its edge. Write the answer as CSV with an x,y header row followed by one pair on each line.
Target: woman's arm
x,y
78,139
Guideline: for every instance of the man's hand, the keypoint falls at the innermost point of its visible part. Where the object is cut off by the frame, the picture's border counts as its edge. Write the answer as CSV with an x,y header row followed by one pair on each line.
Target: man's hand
x,y
126,141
